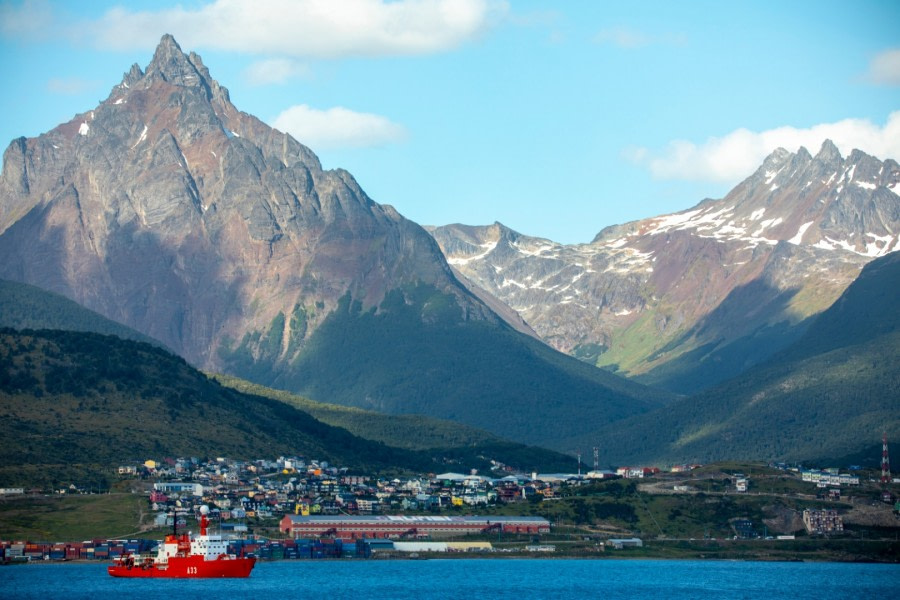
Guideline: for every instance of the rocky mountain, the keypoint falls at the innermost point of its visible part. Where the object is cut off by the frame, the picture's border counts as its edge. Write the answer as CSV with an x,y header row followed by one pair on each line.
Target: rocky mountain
x,y
168,210
684,301
828,395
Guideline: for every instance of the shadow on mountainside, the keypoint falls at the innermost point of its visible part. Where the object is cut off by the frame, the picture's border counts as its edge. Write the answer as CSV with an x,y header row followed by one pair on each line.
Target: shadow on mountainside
x,y
731,339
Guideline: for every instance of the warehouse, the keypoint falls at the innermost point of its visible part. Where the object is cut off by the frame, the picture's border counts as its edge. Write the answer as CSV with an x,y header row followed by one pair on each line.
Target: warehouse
x,y
410,527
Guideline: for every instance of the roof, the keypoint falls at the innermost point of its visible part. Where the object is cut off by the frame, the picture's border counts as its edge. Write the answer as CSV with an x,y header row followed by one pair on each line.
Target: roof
x,y
389,519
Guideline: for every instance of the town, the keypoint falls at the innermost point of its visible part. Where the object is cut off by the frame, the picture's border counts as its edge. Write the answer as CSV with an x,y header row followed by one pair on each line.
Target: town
x,y
293,507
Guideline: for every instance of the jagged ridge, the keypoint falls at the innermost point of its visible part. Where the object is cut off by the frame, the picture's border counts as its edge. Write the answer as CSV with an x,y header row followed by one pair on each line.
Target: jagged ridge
x,y
689,299
167,209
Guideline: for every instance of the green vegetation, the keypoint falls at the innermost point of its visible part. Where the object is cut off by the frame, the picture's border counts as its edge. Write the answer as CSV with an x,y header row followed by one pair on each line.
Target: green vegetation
x,y
24,306
829,395
455,443
75,405
754,322
416,354
651,511
299,324
825,406
589,353
413,432
72,518
94,401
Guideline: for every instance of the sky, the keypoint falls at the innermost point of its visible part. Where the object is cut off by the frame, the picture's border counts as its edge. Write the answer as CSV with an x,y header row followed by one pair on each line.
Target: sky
x,y
556,119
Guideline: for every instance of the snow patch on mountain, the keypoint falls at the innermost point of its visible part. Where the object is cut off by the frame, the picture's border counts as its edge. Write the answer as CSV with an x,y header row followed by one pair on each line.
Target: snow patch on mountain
x,y
798,239
539,251
141,138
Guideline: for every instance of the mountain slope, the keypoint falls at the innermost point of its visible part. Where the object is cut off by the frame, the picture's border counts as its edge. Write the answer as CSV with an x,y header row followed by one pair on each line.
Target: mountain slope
x,y
83,401
24,306
88,399
830,394
412,432
27,307
512,385
685,301
167,209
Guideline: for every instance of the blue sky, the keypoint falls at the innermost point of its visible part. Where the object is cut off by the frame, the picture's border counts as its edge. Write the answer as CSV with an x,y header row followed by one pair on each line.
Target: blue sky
x,y
554,118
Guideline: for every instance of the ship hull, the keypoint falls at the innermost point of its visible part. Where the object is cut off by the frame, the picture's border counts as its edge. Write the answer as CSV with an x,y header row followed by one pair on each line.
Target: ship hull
x,y
188,567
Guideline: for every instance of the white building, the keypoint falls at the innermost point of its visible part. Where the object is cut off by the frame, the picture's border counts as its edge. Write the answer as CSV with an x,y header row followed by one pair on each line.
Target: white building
x,y
179,487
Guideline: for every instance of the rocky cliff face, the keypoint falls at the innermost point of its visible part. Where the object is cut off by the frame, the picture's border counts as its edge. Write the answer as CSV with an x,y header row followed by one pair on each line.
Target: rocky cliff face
x,y
688,299
167,209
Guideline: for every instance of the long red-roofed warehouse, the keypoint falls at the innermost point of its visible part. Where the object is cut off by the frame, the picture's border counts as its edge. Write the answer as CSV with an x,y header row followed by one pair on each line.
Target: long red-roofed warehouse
x,y
386,526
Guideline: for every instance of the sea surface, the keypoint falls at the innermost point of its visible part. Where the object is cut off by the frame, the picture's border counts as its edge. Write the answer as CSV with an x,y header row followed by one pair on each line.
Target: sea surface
x,y
473,579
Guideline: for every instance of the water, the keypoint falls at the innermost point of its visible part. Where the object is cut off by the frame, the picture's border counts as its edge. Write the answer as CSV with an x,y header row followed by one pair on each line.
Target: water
x,y
473,578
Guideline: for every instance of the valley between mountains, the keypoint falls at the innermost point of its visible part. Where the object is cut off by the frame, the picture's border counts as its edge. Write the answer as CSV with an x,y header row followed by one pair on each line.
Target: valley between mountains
x,y
758,326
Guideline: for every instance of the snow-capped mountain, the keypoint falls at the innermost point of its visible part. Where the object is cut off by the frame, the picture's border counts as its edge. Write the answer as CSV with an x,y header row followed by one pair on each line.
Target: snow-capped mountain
x,y
688,299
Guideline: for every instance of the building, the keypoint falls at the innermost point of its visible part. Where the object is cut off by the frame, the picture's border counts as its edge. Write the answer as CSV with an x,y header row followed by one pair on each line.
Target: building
x,y
600,474
822,521
743,529
619,544
409,527
829,477
636,472
179,487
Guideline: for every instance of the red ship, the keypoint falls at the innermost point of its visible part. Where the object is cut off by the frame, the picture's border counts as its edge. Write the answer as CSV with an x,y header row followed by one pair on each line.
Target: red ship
x,y
186,557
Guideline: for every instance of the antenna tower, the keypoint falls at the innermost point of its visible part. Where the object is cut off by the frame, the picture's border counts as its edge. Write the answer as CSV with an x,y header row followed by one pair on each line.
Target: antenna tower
x,y
596,458
885,460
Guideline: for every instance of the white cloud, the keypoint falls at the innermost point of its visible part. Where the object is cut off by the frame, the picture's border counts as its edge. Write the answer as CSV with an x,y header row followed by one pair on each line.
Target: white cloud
x,y
275,70
630,39
885,68
338,128
33,18
736,155
308,28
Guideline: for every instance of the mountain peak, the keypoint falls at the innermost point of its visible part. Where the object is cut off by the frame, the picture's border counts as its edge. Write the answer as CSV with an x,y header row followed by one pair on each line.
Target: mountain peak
x,y
777,158
168,51
172,65
829,152
132,76
167,43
